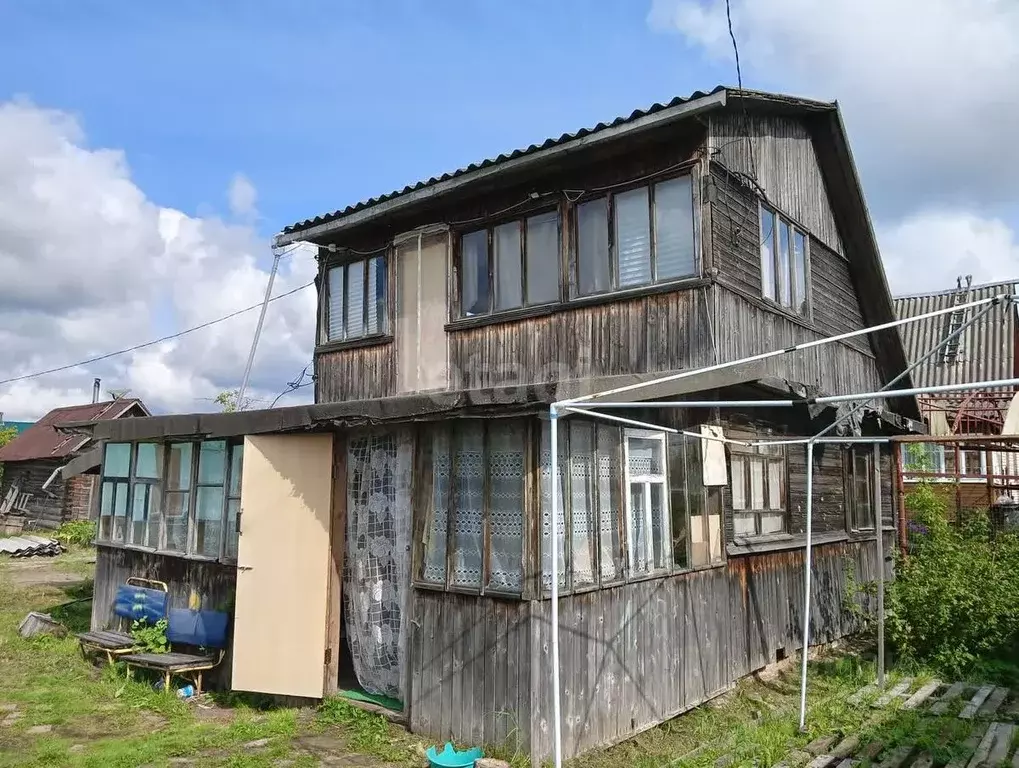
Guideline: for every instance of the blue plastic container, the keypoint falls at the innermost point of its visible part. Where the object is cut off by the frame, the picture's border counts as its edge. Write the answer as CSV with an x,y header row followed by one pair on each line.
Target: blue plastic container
x,y
450,757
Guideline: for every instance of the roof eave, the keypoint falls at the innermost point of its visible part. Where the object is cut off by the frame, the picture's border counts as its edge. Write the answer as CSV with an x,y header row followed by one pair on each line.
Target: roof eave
x,y
679,112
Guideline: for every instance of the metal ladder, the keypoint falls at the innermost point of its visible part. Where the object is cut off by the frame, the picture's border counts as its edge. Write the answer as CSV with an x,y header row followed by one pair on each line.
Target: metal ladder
x,y
951,351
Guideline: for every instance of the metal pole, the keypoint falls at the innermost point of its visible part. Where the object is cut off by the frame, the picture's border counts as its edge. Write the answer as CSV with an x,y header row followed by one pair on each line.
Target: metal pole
x,y
879,525
794,348
930,353
553,415
806,588
258,331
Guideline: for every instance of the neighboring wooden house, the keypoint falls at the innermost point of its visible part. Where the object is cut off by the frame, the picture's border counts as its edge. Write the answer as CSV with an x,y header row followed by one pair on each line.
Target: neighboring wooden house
x,y
32,484
397,535
970,473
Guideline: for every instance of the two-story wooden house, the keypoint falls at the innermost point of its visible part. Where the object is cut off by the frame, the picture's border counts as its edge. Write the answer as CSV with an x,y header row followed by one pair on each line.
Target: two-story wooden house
x,y
397,536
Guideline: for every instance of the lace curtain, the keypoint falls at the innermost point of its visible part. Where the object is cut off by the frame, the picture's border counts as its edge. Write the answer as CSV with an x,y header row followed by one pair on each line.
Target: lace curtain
x,y
377,572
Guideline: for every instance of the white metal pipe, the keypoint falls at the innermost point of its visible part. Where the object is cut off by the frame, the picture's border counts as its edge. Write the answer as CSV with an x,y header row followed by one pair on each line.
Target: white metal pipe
x,y
553,415
621,420
1003,383
824,441
680,404
794,348
880,544
806,587
912,367
258,332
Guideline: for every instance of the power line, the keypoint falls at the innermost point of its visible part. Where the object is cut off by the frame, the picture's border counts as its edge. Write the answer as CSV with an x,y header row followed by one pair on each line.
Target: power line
x,y
177,335
293,386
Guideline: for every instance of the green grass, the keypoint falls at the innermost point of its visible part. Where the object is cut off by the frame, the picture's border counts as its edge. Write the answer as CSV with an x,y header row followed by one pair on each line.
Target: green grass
x,y
96,717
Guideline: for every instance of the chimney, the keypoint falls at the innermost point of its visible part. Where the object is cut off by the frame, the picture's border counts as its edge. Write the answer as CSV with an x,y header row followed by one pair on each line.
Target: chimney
x,y
95,390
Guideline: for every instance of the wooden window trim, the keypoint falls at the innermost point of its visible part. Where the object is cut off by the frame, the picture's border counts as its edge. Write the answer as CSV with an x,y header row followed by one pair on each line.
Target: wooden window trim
x,y
574,296
749,454
344,261
489,226
850,478
795,226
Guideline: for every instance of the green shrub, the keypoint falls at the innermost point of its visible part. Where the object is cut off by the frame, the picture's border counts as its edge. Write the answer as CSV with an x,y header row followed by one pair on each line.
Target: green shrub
x,y
955,599
151,638
77,532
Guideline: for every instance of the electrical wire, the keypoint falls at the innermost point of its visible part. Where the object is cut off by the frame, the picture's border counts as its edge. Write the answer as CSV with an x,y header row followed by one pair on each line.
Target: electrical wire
x,y
293,386
160,340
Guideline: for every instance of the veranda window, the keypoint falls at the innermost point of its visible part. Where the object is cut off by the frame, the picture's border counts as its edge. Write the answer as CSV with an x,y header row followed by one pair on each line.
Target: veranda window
x,y
473,530
647,502
758,486
636,237
859,472
784,262
356,300
509,266
180,497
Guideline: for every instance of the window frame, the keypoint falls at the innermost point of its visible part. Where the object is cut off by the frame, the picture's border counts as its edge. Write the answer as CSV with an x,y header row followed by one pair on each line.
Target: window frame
x,y
767,455
424,498
852,481
647,481
936,473
160,547
775,299
980,476
489,227
573,266
345,262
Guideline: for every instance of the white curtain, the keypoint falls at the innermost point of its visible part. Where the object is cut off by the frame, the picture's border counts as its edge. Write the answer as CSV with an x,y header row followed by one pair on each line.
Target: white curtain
x,y
377,572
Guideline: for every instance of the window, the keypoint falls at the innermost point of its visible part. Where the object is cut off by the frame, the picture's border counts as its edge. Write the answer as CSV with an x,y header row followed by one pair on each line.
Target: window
x,y
972,465
923,458
784,258
647,508
757,481
509,266
473,533
179,497
696,509
859,469
637,237
355,300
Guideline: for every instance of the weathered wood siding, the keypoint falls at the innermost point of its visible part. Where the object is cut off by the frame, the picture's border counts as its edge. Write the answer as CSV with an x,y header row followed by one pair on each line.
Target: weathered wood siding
x,y
736,243
209,585
360,373
635,655
470,660
658,332
747,327
780,153
46,507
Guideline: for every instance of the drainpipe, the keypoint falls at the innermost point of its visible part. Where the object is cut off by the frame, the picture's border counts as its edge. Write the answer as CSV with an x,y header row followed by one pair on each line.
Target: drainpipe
x,y
95,389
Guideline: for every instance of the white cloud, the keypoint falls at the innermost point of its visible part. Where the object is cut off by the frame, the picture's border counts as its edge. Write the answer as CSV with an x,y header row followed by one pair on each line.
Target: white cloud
x,y
91,265
957,243
242,196
929,96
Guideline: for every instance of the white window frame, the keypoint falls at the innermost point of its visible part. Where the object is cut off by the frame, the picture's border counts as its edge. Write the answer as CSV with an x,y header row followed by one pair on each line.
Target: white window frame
x,y
973,478
939,463
647,481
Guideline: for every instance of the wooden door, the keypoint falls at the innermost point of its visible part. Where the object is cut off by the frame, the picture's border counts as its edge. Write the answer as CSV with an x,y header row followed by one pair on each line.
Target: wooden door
x,y
279,639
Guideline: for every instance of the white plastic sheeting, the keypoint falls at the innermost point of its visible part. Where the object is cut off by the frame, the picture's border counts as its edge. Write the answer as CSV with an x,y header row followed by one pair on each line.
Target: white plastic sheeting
x,y
377,571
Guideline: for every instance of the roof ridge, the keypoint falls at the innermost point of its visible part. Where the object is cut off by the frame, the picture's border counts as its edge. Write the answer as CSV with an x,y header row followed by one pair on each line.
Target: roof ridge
x,y
949,291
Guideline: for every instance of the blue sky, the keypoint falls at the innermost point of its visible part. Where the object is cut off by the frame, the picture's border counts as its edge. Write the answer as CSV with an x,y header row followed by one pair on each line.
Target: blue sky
x,y
322,104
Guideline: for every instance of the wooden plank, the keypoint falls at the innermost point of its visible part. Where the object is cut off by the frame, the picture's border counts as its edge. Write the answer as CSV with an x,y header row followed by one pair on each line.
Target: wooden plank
x,y
820,745
847,746
897,757
954,691
822,761
970,710
984,748
968,746
1002,743
994,701
864,693
847,763
537,681
898,690
493,659
924,760
872,750
922,695
337,555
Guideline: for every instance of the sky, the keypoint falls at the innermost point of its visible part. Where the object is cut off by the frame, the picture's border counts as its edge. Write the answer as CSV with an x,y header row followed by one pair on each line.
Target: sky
x,y
149,151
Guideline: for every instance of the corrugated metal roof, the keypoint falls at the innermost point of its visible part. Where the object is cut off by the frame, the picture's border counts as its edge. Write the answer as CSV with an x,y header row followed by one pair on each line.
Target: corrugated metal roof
x,y
43,441
987,350
502,158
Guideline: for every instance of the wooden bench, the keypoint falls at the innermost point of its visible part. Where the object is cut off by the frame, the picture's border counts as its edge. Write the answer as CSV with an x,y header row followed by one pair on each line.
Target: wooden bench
x,y
203,631
137,599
